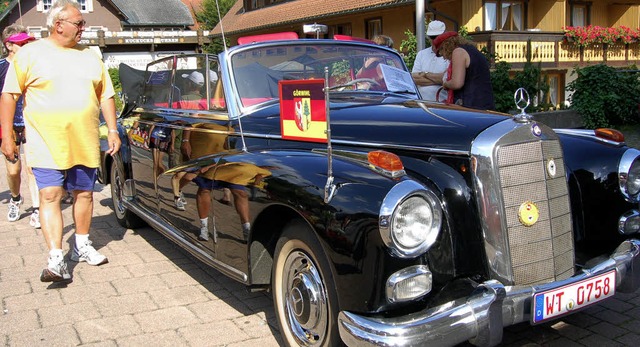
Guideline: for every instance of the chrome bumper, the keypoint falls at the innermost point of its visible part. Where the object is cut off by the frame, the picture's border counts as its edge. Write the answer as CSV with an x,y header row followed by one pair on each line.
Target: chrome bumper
x,y
479,318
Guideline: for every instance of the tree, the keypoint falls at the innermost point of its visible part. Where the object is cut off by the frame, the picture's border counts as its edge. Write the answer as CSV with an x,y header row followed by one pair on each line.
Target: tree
x,y
208,18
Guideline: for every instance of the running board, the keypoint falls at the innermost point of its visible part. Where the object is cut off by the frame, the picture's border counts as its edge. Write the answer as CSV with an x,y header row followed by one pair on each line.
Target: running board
x,y
167,231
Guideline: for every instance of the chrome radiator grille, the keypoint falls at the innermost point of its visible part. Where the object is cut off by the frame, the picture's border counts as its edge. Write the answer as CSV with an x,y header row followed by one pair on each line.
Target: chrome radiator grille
x,y
523,202
534,171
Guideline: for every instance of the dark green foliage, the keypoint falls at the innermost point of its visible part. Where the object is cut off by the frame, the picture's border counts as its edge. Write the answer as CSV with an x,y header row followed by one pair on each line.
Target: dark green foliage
x,y
503,86
605,96
409,49
208,19
115,79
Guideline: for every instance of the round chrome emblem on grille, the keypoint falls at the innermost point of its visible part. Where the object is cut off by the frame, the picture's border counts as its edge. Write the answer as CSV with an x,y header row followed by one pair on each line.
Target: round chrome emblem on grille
x,y
535,129
551,167
528,213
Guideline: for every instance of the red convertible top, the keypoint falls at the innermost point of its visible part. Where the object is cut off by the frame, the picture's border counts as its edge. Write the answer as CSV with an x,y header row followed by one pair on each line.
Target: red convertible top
x,y
289,35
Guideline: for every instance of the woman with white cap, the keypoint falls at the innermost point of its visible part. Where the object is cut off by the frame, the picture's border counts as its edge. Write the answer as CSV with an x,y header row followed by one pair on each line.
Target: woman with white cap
x,y
428,67
14,37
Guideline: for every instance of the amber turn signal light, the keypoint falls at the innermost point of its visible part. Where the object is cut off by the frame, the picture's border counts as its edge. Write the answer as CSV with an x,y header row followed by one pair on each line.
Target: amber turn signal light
x,y
385,160
609,134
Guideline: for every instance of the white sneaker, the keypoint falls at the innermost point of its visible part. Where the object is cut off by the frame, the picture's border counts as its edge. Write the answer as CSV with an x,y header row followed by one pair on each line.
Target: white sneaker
x,y
179,204
34,221
14,210
56,271
204,234
89,254
184,201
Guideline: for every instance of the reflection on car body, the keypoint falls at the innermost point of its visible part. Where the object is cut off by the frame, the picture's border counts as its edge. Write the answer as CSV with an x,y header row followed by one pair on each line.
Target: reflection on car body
x,y
420,224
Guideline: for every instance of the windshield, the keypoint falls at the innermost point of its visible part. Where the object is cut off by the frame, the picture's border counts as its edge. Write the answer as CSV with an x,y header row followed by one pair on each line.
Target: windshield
x,y
257,71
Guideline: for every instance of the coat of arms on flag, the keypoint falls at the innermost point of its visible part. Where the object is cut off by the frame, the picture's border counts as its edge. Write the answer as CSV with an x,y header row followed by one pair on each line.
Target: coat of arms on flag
x,y
302,110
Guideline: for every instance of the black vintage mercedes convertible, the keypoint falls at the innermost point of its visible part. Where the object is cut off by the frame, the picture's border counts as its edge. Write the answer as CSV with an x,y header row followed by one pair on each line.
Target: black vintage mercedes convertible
x,y
372,216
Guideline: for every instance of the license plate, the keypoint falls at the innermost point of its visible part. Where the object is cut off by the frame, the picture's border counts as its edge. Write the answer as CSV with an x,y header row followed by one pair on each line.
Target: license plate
x,y
560,301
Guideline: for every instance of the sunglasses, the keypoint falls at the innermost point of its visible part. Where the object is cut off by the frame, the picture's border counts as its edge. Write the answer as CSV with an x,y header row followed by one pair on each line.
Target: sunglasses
x,y
78,24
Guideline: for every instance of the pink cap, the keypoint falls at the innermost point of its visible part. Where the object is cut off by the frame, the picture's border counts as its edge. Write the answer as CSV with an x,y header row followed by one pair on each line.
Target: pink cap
x,y
19,38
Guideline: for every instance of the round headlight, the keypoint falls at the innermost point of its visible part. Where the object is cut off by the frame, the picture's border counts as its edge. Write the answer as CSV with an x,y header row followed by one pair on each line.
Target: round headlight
x,y
413,222
633,181
629,174
410,219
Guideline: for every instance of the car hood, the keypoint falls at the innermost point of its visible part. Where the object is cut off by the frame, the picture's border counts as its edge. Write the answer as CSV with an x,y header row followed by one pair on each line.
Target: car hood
x,y
401,122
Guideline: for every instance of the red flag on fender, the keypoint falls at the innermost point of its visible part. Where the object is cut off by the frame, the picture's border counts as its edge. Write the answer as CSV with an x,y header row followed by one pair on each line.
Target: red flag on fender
x,y
302,110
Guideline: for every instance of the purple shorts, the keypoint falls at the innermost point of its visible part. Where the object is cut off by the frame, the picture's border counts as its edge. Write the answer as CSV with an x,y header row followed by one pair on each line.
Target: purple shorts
x,y
78,177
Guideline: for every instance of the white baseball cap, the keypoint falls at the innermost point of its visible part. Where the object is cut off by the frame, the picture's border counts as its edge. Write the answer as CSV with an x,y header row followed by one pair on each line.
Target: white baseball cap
x,y
435,28
195,77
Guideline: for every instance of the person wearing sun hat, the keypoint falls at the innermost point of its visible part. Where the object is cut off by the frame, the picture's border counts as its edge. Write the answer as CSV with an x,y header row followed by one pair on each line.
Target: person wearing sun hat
x,y
468,78
13,37
428,68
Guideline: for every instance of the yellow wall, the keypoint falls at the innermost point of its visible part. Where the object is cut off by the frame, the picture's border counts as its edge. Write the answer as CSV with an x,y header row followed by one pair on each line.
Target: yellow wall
x,y
394,22
626,15
451,9
472,14
547,15
599,13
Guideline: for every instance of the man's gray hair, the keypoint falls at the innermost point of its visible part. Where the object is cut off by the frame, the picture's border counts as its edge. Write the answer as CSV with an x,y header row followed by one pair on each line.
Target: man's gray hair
x,y
57,9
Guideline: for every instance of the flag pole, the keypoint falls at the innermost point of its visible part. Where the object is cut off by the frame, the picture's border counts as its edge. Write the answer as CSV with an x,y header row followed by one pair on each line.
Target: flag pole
x,y
329,187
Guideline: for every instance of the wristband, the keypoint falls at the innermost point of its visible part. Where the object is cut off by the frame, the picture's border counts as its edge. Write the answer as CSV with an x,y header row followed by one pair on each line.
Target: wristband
x,y
113,131
185,140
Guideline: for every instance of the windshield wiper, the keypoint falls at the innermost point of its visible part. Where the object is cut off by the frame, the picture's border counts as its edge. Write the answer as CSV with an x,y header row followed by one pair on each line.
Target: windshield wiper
x,y
406,91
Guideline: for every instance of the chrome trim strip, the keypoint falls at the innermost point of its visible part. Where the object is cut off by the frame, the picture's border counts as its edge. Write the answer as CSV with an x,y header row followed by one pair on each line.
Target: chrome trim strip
x,y
167,231
588,133
377,145
360,158
480,317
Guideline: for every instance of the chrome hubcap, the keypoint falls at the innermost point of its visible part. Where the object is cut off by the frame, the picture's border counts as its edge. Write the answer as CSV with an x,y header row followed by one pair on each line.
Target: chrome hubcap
x,y
116,193
305,300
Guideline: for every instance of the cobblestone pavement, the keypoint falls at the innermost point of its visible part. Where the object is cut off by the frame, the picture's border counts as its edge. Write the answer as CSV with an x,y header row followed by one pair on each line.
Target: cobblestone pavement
x,y
153,293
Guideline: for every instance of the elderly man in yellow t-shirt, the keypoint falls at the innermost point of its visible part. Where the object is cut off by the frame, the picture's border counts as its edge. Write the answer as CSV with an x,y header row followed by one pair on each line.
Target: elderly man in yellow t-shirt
x,y
65,86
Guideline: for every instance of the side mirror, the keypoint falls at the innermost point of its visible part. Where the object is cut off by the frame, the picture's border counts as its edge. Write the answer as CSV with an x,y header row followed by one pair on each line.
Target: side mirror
x,y
315,29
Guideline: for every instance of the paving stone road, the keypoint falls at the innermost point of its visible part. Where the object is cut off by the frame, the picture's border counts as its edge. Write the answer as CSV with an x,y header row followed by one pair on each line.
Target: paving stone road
x,y
151,293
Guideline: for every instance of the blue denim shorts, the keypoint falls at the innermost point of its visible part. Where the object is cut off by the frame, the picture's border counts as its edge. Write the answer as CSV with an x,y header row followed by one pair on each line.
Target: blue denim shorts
x,y
78,177
209,184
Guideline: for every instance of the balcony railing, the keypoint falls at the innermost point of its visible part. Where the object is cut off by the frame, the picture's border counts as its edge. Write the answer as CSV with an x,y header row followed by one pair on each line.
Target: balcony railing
x,y
551,50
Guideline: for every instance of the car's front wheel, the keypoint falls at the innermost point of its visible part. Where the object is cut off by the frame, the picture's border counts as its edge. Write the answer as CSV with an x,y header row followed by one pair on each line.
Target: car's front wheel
x,y
125,217
303,290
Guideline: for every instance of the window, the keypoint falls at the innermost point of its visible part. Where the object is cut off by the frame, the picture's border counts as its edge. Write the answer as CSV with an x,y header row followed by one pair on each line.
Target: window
x,y
374,27
85,5
45,5
250,5
340,29
554,97
504,15
579,13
